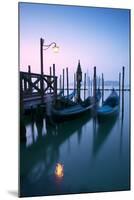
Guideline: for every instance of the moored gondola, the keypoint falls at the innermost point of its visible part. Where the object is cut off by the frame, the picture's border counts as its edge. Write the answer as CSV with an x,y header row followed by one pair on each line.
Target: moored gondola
x,y
110,107
76,110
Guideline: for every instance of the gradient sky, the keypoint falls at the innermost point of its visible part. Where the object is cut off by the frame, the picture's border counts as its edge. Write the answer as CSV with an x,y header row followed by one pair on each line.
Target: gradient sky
x,y
97,36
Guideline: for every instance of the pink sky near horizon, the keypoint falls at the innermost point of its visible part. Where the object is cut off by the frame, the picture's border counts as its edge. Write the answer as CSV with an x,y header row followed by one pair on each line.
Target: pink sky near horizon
x,y
102,44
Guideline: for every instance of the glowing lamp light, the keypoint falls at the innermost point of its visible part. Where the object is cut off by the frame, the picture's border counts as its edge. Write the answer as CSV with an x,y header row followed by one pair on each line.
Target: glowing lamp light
x,y
59,170
55,49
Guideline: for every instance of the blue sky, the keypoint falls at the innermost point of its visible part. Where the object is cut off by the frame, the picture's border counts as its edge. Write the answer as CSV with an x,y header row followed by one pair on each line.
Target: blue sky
x,y
97,36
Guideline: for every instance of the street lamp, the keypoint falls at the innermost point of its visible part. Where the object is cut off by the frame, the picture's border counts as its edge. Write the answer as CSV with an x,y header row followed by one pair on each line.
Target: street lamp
x,y
45,47
55,47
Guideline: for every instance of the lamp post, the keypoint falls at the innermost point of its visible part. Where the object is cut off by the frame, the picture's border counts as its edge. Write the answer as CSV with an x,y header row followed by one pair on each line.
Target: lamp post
x,y
44,47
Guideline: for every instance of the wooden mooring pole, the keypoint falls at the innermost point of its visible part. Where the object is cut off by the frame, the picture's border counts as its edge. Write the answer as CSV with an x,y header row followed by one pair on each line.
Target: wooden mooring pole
x,y
102,88
29,69
50,75
91,86
63,81
119,85
88,85
84,86
67,82
79,79
99,83
123,77
60,83
55,82
74,82
53,69
94,83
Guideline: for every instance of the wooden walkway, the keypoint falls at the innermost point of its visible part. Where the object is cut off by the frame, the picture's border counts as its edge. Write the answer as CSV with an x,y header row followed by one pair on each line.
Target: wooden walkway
x,y
36,89
33,102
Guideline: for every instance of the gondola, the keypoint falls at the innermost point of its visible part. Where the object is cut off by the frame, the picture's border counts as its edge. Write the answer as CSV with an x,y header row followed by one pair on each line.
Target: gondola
x,y
110,107
65,101
70,96
66,97
76,110
60,93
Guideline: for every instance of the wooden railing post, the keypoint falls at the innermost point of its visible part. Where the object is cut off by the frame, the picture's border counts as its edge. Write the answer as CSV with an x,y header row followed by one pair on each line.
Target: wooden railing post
x,y
55,87
29,74
33,80
25,85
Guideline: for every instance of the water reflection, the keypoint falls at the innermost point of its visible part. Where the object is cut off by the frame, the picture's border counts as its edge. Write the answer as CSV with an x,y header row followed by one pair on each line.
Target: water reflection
x,y
86,148
101,134
64,130
121,130
79,134
38,128
31,134
36,172
34,131
59,170
45,148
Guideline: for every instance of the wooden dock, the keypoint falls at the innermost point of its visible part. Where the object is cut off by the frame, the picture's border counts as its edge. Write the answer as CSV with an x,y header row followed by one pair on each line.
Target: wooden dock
x,y
36,89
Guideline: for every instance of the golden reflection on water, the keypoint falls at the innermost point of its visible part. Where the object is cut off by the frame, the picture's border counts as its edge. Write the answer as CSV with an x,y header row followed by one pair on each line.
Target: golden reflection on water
x,y
59,170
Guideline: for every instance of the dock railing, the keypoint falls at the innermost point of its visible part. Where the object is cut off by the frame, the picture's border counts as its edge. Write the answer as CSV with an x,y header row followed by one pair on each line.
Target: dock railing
x,y
30,85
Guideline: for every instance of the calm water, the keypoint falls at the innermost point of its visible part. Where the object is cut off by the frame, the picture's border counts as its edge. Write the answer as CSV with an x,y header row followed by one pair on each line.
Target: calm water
x,y
96,156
